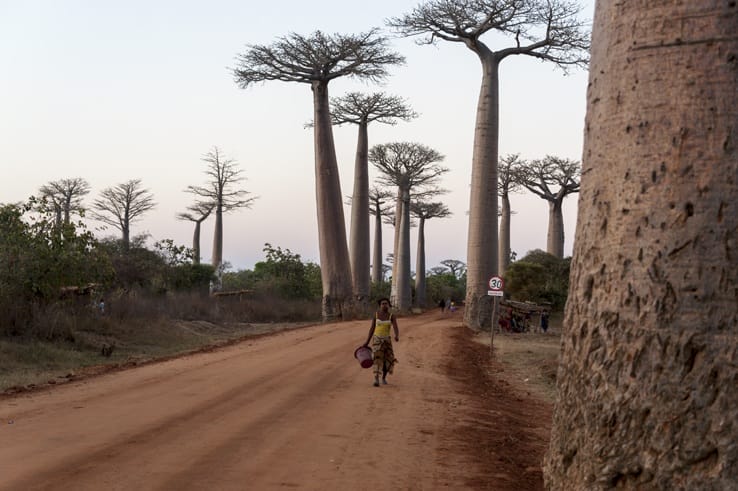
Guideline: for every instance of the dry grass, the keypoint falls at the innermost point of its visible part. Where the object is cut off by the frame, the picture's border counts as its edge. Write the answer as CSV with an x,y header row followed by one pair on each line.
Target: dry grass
x,y
140,329
530,360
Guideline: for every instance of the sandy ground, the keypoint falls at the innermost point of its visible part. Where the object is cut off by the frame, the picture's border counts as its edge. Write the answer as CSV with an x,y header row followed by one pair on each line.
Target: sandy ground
x,y
290,410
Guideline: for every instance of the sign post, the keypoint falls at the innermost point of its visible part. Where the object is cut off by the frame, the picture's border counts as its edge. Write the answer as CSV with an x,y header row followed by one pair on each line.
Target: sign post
x,y
496,285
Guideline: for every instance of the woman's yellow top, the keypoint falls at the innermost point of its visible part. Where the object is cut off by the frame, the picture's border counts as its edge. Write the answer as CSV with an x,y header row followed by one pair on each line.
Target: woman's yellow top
x,y
382,328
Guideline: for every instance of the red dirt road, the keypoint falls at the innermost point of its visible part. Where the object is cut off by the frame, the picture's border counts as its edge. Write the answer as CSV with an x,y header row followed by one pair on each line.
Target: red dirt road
x,y
291,410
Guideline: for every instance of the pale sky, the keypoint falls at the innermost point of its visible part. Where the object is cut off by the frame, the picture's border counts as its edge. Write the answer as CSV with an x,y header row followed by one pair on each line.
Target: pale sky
x,y
112,91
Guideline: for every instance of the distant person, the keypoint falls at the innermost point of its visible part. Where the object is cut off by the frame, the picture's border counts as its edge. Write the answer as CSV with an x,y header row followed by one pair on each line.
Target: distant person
x,y
381,339
442,304
544,321
101,306
452,308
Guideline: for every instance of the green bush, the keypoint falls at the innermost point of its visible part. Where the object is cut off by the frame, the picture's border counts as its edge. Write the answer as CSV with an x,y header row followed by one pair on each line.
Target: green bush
x,y
539,277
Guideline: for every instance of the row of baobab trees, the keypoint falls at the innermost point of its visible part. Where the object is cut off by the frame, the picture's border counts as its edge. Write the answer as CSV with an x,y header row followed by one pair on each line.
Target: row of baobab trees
x,y
646,382
546,30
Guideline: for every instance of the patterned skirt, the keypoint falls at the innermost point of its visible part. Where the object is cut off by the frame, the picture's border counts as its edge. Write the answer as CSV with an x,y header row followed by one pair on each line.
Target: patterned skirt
x,y
384,357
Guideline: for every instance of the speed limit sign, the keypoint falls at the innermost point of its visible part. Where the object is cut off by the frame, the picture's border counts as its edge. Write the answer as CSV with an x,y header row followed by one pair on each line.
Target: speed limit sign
x,y
495,286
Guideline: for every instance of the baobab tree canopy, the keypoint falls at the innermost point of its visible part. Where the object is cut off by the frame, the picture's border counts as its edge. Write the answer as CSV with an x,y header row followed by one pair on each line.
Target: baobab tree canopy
x,y
358,108
121,205
317,57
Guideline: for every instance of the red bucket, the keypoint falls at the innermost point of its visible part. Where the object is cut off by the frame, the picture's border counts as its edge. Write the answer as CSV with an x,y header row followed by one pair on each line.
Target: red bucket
x,y
364,355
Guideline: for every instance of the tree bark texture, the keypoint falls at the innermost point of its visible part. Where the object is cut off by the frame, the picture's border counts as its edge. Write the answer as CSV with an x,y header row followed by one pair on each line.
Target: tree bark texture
x,y
647,394
420,266
217,256
555,238
335,268
482,237
504,250
359,246
377,276
404,289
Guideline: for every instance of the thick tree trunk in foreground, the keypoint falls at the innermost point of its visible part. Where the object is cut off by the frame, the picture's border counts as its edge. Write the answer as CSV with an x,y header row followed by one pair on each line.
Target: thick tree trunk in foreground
x,y
482,239
335,268
404,289
555,238
504,250
420,267
647,393
359,246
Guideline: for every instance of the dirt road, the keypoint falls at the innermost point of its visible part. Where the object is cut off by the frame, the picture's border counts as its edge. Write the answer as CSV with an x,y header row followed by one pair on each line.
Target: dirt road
x,y
291,410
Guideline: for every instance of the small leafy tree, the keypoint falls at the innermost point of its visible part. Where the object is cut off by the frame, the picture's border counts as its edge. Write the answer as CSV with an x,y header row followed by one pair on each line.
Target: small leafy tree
x,y
539,277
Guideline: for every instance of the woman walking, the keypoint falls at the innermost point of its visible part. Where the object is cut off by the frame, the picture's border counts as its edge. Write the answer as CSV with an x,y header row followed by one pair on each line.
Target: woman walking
x,y
381,339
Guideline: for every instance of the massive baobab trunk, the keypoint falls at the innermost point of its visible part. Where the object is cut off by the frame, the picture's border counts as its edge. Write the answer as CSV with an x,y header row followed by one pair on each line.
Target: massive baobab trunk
x,y
377,275
394,294
217,256
196,244
402,257
647,393
555,239
482,239
359,242
504,250
420,266
334,259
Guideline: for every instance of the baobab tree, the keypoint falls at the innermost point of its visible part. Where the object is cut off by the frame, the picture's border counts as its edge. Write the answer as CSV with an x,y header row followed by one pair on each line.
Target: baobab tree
x,y
316,60
197,213
423,211
509,182
65,196
362,110
647,393
119,206
378,199
224,175
548,30
457,268
552,179
407,166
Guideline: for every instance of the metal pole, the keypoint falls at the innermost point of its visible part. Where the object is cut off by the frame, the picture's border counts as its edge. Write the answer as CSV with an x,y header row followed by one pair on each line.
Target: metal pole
x,y
495,301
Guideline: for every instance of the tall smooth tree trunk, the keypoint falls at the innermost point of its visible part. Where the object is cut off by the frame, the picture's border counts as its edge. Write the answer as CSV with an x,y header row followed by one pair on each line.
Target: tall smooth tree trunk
x,y
404,289
504,250
217,256
335,269
420,266
67,209
126,233
377,276
555,238
394,294
482,237
196,244
647,394
359,247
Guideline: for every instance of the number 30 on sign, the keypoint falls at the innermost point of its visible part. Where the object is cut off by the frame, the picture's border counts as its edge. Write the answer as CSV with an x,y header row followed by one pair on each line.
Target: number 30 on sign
x,y
495,286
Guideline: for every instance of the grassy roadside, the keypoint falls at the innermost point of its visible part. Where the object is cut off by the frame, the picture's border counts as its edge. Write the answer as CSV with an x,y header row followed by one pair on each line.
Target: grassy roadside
x,y
529,360
29,363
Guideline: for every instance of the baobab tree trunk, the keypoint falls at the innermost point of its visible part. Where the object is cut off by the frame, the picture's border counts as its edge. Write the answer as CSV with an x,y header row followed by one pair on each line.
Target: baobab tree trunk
x,y
217,256
335,268
555,239
395,252
504,258
647,393
482,237
377,275
359,247
404,289
126,236
420,266
196,244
